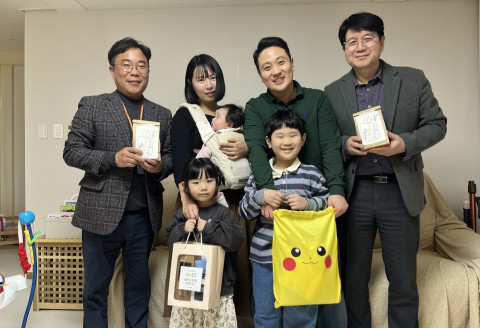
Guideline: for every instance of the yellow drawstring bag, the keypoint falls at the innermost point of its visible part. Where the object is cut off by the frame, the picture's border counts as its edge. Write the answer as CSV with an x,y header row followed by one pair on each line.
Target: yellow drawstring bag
x,y
305,258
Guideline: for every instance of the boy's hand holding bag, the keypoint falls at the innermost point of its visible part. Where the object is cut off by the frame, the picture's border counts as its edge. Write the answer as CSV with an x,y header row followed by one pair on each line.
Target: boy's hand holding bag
x,y
305,258
198,271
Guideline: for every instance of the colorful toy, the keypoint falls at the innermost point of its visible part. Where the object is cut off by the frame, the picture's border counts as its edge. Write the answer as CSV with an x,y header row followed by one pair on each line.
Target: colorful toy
x,y
26,218
11,285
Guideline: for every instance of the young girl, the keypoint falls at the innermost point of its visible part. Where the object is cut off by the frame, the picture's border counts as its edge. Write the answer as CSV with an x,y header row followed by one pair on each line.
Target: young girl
x,y
218,226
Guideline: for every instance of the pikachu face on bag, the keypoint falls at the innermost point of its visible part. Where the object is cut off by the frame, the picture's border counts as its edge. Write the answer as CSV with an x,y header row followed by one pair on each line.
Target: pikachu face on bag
x,y
307,256
305,260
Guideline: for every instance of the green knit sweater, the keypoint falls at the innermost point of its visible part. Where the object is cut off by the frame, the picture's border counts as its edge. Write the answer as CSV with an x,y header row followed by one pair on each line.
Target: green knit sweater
x,y
322,147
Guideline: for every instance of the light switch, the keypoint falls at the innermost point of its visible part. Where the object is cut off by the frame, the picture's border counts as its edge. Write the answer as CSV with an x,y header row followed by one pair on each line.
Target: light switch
x,y
43,131
58,131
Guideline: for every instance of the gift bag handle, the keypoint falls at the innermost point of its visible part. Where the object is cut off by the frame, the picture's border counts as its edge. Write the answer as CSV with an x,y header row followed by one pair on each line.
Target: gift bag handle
x,y
195,236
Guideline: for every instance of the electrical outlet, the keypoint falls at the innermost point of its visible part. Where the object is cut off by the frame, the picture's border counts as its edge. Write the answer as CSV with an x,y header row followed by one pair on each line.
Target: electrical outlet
x,y
43,131
58,131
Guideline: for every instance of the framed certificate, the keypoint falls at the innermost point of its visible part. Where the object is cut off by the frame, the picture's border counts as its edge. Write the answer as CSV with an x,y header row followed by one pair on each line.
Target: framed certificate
x,y
370,127
146,136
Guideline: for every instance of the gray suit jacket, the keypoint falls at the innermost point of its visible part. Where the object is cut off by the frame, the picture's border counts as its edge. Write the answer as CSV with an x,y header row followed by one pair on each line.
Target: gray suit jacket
x,y
410,110
100,127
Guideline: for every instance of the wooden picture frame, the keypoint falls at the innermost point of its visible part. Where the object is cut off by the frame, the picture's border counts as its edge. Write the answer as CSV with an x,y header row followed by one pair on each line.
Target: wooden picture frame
x,y
370,126
146,136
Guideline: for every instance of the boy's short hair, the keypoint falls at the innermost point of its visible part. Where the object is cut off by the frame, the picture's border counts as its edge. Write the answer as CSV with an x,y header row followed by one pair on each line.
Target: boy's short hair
x,y
235,115
287,118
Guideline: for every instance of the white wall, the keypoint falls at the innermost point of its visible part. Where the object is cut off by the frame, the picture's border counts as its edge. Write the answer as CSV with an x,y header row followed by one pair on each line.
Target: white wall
x,y
6,139
18,139
66,58
12,135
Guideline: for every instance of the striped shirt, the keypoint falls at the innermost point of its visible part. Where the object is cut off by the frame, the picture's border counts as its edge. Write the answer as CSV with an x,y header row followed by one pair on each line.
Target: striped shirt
x,y
304,180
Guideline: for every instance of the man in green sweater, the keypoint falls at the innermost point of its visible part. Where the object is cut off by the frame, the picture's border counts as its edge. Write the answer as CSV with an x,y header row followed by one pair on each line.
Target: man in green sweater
x,y
322,147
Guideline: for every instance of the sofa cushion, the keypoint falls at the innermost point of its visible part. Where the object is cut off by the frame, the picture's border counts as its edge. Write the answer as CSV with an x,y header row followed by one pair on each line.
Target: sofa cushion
x,y
427,228
169,199
427,218
442,287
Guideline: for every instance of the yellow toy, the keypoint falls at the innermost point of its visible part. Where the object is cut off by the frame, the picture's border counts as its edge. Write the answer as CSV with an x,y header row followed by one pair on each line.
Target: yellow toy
x,y
305,258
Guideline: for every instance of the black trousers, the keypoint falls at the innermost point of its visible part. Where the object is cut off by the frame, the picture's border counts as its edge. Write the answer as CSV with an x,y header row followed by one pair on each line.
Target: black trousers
x,y
134,236
377,206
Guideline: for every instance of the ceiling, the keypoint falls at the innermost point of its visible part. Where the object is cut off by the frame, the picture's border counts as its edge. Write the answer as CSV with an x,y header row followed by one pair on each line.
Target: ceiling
x,y
12,20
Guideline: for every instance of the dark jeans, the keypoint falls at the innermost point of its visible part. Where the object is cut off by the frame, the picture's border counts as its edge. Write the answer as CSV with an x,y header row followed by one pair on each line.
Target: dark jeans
x,y
134,236
306,316
375,206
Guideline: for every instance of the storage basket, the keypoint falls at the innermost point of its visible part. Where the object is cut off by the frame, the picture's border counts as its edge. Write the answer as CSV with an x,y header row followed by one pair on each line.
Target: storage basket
x,y
59,274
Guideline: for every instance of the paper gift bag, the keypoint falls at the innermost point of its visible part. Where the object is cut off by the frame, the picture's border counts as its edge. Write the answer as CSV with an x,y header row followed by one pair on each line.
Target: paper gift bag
x,y
196,275
305,258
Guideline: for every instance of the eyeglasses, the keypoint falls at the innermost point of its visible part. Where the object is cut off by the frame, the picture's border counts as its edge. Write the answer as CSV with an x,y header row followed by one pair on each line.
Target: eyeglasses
x,y
367,41
141,68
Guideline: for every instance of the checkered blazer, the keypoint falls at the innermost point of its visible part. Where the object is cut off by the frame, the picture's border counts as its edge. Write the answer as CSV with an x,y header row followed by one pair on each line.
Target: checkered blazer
x,y
100,126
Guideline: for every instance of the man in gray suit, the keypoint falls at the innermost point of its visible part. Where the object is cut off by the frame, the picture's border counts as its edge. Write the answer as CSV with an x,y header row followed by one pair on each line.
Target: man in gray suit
x,y
384,185
120,202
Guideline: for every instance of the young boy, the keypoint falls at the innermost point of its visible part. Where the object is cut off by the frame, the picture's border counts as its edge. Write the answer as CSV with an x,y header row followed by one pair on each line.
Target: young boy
x,y
298,187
